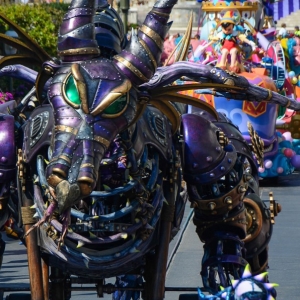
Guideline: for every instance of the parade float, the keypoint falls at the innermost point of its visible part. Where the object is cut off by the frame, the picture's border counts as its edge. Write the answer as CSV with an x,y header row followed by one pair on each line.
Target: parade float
x,y
230,31
106,161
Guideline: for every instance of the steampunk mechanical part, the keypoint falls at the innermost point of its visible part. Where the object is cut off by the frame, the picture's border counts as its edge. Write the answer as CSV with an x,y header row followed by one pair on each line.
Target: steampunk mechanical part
x,y
257,145
21,169
259,232
222,138
275,208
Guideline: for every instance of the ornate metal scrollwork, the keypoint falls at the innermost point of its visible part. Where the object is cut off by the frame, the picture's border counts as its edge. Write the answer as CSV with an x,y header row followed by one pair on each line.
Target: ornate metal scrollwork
x,y
257,145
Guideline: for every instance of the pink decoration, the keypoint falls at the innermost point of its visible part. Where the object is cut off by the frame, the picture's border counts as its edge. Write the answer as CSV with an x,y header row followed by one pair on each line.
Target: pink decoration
x,y
288,137
279,170
261,170
268,164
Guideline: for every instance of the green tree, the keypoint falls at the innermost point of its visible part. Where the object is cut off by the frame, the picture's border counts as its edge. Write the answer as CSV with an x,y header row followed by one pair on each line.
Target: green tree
x,y
40,21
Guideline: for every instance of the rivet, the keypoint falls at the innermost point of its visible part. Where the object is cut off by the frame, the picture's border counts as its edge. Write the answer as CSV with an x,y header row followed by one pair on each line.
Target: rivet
x,y
208,158
211,205
228,200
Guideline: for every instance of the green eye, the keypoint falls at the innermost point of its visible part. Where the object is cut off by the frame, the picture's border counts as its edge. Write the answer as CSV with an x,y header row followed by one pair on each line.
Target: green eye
x,y
117,106
71,91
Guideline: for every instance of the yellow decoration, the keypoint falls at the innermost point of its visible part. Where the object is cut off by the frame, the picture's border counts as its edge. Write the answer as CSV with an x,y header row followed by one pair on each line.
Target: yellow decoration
x,y
294,80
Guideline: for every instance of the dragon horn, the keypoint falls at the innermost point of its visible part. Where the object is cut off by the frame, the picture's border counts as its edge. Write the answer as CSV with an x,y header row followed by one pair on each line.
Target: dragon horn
x,y
76,39
139,60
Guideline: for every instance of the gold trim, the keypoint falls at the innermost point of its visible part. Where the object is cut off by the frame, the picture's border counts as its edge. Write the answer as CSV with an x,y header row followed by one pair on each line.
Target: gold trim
x,y
182,47
187,40
174,97
60,172
153,35
112,96
131,67
102,140
269,96
86,165
144,45
255,219
81,87
65,128
160,13
54,180
246,6
66,158
80,51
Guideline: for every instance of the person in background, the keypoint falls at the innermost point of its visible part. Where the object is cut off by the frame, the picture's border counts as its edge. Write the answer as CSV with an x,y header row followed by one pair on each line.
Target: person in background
x,y
297,31
282,33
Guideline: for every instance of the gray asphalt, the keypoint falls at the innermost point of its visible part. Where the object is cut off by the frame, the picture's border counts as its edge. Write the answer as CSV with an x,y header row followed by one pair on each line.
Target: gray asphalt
x,y
284,252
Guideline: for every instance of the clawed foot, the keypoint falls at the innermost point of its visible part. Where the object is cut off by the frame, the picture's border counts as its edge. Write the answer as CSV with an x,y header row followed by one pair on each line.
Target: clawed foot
x,y
48,213
65,223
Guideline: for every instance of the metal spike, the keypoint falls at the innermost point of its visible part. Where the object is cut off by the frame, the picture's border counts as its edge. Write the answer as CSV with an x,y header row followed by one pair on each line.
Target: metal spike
x,y
148,226
36,180
95,218
106,187
36,215
92,236
124,236
86,262
46,204
80,244
46,161
134,250
33,206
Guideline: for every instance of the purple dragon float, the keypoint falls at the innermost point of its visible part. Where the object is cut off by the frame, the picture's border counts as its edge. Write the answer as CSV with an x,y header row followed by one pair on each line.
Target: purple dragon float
x,y
102,158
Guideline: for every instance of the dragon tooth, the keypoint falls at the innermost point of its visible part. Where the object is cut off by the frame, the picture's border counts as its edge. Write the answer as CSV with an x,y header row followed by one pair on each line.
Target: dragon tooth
x,y
92,236
80,244
36,215
124,236
106,187
134,250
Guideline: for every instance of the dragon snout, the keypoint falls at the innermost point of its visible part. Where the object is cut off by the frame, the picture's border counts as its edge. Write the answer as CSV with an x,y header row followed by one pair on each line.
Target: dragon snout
x,y
69,190
67,195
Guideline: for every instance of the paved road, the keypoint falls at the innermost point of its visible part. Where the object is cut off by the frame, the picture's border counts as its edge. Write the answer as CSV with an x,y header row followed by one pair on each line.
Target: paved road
x,y
284,254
